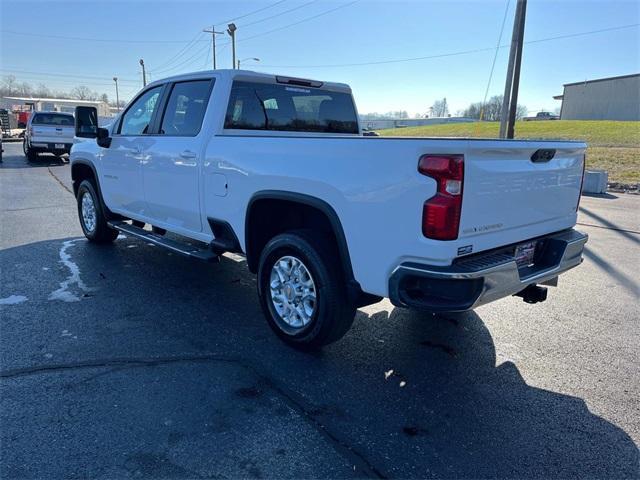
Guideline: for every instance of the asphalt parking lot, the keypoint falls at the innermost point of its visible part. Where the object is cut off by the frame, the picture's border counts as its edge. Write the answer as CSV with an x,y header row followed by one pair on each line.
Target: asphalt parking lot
x,y
127,361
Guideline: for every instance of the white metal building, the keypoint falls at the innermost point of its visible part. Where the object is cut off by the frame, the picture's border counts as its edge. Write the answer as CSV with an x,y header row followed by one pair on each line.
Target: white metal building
x,y
613,98
53,104
382,123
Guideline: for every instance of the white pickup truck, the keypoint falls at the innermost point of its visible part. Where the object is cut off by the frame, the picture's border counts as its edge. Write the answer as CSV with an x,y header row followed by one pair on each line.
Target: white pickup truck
x,y
275,168
48,132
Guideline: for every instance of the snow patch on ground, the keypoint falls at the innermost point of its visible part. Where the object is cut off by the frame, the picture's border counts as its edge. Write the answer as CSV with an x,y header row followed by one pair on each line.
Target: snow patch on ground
x,y
13,300
63,293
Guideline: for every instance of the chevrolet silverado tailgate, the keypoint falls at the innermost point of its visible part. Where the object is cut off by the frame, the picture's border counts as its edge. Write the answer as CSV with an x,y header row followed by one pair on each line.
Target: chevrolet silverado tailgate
x,y
520,185
52,134
52,127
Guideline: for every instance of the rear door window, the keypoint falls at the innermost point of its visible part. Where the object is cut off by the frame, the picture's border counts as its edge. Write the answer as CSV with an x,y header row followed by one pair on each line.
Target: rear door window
x,y
264,106
185,108
53,119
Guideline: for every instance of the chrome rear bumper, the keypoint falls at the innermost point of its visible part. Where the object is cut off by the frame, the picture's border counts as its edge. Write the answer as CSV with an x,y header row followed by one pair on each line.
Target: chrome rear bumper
x,y
482,278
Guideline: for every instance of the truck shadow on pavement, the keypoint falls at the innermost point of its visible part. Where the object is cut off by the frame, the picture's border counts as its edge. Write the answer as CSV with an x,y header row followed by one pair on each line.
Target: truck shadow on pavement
x,y
19,161
404,394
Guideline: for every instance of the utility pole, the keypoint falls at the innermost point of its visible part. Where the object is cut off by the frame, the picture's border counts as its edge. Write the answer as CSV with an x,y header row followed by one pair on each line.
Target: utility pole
x,y
516,45
115,79
516,74
232,32
213,42
144,74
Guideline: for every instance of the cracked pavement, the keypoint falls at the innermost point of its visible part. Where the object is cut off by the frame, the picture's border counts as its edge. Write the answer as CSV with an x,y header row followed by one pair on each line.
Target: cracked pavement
x,y
165,367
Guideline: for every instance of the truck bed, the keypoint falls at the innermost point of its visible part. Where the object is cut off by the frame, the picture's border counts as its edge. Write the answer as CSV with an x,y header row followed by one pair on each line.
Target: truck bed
x,y
374,185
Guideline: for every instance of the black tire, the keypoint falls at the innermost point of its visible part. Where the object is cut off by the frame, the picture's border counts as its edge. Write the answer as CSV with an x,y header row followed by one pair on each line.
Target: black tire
x,y
101,231
333,314
30,153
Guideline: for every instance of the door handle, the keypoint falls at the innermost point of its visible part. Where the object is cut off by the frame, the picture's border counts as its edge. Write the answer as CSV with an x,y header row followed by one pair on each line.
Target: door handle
x,y
133,152
188,155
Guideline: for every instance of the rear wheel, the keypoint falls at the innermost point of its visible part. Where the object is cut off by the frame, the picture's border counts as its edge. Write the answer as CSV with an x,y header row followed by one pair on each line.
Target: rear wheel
x,y
91,215
302,289
29,152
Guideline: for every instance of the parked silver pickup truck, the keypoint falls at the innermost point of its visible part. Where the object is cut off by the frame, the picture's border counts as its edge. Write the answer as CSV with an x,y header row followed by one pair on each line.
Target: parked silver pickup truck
x,y
48,132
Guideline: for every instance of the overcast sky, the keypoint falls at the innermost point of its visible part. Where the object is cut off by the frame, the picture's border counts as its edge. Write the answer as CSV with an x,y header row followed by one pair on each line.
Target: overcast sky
x,y
323,39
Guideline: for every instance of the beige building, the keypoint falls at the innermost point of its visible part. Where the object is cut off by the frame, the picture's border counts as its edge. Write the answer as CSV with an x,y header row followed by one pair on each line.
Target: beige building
x,y
613,98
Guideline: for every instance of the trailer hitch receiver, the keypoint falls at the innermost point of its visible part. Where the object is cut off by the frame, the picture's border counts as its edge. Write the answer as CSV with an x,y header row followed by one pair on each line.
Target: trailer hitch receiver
x,y
533,294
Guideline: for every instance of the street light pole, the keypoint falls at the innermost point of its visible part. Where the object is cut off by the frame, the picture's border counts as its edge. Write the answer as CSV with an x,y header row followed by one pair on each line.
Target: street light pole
x,y
246,59
115,79
213,42
144,74
232,32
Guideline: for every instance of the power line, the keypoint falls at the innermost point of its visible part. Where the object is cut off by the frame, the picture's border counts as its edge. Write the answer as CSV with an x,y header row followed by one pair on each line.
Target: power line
x,y
180,52
452,54
168,62
571,35
206,60
185,62
84,39
47,74
190,60
119,40
495,56
254,11
307,19
71,83
166,65
245,25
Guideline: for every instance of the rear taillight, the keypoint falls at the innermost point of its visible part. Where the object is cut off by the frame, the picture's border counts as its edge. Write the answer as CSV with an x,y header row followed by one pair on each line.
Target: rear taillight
x,y
584,167
441,213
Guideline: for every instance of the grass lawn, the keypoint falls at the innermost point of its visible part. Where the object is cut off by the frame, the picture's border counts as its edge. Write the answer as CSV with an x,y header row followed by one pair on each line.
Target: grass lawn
x,y
613,146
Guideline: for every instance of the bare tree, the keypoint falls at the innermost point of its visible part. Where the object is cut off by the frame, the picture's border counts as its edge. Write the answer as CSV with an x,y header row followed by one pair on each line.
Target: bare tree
x,y
492,110
8,86
104,98
24,89
81,92
440,108
42,91
521,112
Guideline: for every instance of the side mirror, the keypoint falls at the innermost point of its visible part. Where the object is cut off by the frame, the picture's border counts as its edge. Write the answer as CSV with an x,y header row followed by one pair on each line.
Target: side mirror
x,y
103,139
86,120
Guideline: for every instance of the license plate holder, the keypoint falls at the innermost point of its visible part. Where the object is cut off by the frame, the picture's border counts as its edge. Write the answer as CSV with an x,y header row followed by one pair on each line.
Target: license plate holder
x,y
59,146
524,254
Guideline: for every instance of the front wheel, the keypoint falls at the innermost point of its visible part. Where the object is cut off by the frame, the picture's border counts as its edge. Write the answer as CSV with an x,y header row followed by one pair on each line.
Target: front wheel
x,y
302,289
92,220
